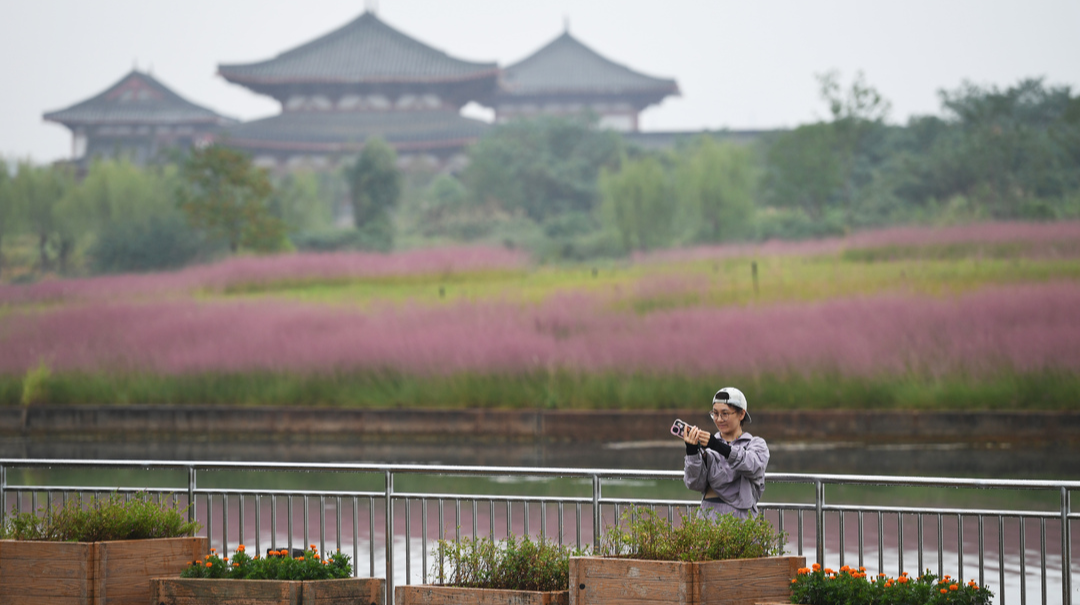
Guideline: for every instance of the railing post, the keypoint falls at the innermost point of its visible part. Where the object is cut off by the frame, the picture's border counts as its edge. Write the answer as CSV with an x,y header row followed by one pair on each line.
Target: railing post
x,y
1066,549
596,513
3,494
819,518
390,537
191,494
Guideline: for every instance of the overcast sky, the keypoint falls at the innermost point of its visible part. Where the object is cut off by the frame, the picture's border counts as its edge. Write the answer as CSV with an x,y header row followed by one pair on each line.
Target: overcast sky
x,y
740,64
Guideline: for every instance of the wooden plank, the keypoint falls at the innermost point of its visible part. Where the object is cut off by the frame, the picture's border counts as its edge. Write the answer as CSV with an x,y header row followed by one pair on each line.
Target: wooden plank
x,y
345,591
45,572
191,591
126,566
597,580
746,581
452,595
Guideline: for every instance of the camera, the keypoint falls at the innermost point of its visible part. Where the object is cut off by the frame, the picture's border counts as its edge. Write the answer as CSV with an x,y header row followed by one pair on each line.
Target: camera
x,y
678,428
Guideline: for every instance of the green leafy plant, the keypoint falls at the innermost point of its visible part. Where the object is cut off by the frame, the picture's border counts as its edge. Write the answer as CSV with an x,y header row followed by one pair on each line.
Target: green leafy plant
x,y
137,517
816,586
509,564
35,384
643,534
276,566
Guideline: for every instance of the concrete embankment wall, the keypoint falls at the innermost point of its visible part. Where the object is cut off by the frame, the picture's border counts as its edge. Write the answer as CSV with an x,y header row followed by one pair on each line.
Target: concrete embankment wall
x,y
207,422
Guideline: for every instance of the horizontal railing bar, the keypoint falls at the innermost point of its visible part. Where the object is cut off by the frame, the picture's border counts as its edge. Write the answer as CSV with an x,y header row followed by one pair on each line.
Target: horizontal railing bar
x,y
543,472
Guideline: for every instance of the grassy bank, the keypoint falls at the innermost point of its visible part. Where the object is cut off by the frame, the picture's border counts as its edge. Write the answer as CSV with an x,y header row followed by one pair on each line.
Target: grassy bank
x,y
557,390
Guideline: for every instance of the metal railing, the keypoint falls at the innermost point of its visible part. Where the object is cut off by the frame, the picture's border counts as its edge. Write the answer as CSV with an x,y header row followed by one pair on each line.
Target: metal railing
x,y
231,516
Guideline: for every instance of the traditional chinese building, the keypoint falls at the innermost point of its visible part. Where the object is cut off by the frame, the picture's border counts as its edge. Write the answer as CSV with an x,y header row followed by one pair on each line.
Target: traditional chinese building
x,y
363,80
138,118
568,78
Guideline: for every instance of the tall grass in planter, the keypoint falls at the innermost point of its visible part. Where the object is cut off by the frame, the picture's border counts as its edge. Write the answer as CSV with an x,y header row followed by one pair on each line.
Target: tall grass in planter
x,y
94,552
699,560
511,571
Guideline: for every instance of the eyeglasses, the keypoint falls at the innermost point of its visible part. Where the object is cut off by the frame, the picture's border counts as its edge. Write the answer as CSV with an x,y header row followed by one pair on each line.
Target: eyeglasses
x,y
721,415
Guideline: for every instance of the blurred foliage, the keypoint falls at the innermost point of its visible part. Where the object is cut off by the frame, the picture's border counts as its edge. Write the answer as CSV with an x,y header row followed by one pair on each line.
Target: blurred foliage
x,y
541,168
374,189
225,195
563,189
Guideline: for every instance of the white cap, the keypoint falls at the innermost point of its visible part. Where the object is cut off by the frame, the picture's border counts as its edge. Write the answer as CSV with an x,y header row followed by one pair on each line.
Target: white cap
x,y
733,397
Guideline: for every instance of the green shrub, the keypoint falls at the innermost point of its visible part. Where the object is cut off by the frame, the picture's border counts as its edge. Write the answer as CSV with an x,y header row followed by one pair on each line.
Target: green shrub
x,y
152,244
642,534
276,566
510,564
817,586
35,384
99,519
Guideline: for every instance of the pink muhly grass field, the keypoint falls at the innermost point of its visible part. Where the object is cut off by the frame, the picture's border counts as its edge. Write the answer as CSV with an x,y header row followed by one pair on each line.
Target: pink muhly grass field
x,y
1021,329
1040,236
263,269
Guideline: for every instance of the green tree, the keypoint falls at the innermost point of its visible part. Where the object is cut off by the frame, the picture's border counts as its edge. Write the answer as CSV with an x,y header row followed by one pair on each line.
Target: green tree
x,y
38,192
225,195
130,218
374,182
637,203
716,185
374,189
7,208
541,168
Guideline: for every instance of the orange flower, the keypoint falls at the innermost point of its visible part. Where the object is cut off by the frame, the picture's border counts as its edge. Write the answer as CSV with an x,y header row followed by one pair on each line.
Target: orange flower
x,y
903,573
313,549
888,584
862,569
902,579
299,558
829,571
316,556
206,557
793,580
236,565
816,567
240,548
209,564
953,587
845,568
213,550
943,591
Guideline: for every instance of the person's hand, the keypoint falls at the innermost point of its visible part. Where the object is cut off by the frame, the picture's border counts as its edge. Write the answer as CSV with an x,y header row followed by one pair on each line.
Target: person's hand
x,y
691,435
703,438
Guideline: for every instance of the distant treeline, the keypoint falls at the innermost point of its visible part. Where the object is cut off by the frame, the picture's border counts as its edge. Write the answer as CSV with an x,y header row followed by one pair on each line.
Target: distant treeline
x,y
563,189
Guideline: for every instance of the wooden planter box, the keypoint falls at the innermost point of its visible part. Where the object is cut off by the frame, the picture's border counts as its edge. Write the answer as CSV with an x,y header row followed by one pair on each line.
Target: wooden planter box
x,y
199,591
90,573
598,580
428,594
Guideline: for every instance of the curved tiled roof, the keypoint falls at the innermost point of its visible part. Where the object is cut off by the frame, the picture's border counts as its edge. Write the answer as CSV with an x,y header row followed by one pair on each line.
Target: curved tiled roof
x,y
566,66
363,51
138,98
336,131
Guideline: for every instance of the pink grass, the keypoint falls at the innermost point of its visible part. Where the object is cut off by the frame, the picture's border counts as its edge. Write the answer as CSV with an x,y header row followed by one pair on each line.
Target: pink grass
x,y
1041,237
1028,328
254,270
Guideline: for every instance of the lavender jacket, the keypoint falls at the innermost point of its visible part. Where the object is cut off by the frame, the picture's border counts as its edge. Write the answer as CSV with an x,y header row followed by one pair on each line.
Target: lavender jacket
x,y
739,479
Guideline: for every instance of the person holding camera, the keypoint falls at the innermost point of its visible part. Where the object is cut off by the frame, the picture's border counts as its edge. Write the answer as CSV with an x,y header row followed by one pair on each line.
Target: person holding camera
x,y
727,467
